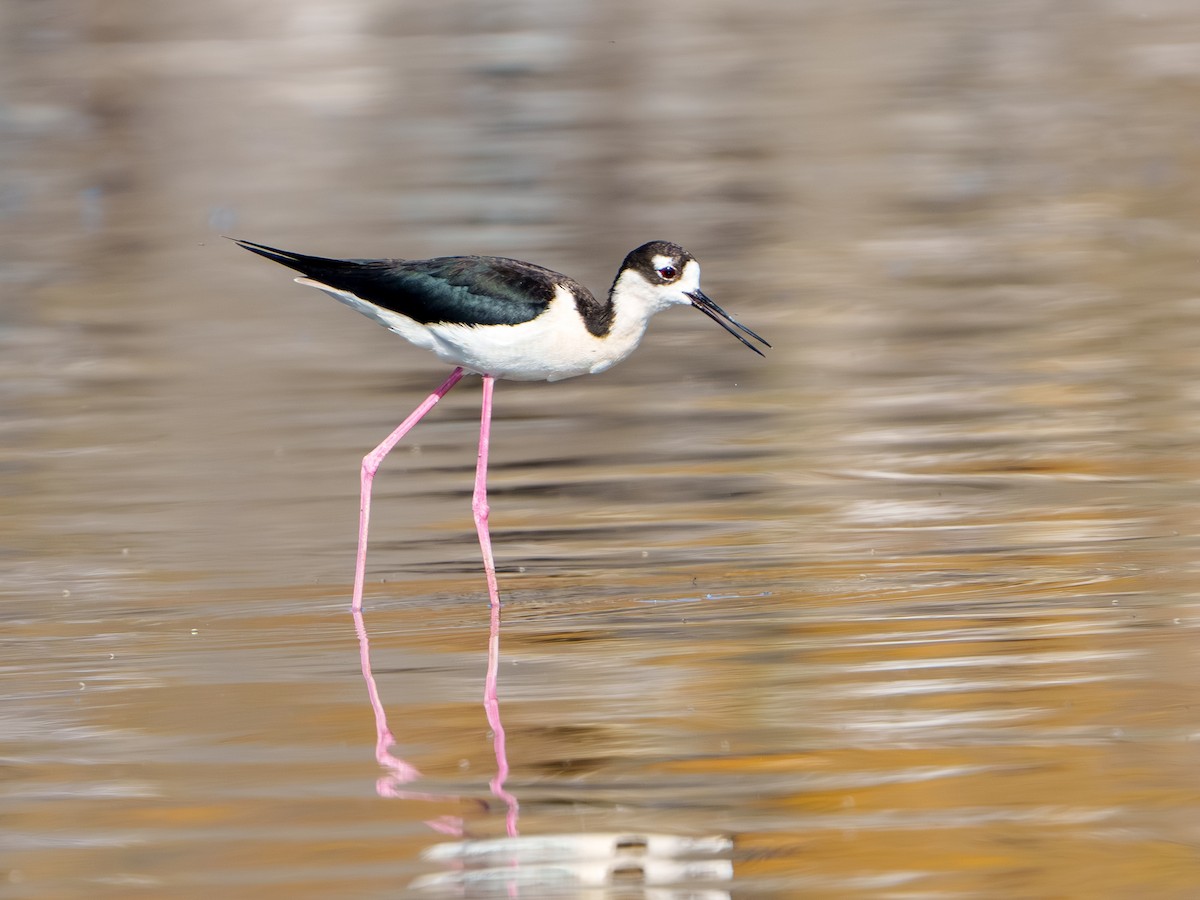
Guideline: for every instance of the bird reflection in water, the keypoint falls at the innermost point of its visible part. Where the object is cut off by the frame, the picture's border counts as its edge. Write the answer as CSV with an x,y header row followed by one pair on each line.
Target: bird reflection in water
x,y
505,866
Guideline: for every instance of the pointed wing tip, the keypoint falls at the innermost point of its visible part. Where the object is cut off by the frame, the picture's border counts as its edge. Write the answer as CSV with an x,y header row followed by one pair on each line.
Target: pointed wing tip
x,y
283,257
250,245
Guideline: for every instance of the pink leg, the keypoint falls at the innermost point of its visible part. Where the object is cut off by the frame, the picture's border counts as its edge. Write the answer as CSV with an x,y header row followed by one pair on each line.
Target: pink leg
x,y
370,465
479,503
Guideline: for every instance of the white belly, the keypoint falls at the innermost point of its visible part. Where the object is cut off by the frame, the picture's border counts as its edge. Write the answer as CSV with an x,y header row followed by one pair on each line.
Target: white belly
x,y
554,346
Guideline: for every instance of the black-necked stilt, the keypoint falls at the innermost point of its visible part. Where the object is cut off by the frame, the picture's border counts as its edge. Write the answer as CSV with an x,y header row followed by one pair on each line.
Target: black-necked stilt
x,y
502,318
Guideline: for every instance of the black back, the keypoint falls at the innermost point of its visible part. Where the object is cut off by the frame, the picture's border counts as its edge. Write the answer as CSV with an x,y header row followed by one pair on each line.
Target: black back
x,y
464,290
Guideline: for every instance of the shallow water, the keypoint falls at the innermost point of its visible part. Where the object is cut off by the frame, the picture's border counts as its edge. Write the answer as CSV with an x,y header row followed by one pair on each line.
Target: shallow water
x,y
907,609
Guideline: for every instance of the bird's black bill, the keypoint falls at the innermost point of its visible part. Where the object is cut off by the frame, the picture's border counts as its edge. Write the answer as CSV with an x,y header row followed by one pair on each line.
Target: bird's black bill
x,y
725,320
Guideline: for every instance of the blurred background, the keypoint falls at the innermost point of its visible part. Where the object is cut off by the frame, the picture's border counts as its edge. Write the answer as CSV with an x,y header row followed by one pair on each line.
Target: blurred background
x,y
907,608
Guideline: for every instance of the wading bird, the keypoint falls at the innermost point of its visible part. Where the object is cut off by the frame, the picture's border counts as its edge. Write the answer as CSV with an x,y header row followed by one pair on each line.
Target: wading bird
x,y
502,318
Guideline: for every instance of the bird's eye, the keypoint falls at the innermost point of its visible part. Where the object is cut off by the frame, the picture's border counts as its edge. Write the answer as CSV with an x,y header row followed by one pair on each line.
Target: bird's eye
x,y
668,273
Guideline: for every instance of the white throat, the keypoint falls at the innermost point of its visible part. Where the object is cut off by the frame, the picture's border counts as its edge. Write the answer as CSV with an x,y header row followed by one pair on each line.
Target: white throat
x,y
635,301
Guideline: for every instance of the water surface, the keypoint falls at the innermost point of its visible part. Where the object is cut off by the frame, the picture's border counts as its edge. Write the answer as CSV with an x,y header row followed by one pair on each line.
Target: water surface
x,y
906,609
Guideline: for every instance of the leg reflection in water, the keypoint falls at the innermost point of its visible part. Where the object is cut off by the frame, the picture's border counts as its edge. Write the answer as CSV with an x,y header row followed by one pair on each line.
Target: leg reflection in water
x,y
400,773
534,864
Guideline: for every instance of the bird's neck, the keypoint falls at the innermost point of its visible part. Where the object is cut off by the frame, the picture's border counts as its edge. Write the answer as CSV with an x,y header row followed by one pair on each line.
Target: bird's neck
x,y
632,304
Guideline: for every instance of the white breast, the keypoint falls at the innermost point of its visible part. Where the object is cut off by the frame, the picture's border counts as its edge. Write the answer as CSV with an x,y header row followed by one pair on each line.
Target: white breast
x,y
554,346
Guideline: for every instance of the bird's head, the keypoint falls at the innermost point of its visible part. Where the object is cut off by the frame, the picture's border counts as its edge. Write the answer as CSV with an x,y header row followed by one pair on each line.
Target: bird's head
x,y
661,274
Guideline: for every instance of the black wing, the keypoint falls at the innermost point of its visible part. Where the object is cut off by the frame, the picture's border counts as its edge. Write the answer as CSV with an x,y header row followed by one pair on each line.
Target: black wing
x,y
465,290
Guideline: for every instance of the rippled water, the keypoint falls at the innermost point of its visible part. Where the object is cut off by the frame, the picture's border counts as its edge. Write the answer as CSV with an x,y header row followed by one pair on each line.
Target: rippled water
x,y
907,609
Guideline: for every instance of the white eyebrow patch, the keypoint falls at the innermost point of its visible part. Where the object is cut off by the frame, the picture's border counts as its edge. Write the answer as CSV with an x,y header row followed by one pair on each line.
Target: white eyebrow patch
x,y
659,261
